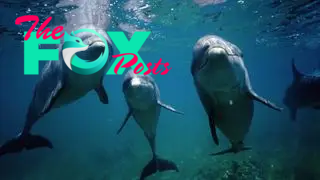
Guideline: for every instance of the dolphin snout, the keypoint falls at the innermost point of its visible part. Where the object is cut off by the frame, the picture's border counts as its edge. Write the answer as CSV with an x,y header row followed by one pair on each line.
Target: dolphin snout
x,y
97,48
97,43
217,57
217,54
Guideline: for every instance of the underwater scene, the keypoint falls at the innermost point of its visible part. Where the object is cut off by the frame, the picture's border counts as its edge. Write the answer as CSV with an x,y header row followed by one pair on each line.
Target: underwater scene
x,y
159,90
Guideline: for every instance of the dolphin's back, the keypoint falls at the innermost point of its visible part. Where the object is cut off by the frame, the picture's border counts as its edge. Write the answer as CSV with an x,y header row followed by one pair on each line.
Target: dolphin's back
x,y
313,78
309,88
51,75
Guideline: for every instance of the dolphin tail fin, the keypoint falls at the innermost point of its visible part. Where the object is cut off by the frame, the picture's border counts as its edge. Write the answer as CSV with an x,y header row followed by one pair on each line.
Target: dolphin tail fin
x,y
234,149
28,142
170,108
264,101
157,164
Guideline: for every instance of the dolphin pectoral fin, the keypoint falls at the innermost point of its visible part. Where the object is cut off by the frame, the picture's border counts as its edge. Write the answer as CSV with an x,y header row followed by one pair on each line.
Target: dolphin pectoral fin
x,y
125,121
102,93
213,130
170,108
264,101
208,105
52,97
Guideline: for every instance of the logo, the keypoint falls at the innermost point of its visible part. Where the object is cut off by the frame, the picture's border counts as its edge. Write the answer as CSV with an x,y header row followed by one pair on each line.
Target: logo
x,y
128,49
73,44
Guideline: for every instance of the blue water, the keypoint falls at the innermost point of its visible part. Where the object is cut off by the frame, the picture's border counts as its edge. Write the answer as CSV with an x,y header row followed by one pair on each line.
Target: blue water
x,y
83,133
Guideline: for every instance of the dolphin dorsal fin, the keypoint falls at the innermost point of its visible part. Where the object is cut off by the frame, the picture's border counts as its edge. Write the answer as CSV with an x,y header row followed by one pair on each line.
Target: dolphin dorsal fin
x,y
296,74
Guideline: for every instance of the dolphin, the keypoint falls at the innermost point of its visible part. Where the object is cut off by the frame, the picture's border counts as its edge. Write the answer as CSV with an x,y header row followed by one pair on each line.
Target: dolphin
x,y
143,99
224,89
303,92
58,85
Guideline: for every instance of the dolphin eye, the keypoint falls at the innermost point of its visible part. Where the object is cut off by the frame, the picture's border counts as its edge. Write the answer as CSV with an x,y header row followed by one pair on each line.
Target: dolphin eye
x,y
77,41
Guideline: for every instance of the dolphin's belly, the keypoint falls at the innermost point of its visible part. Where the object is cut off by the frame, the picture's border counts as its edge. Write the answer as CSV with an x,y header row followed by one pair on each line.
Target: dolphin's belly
x,y
77,86
86,82
221,80
147,119
234,118
140,95
141,98
69,95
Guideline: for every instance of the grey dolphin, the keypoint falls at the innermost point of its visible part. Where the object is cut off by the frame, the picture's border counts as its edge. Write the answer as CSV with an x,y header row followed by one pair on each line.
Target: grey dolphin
x,y
223,86
58,85
143,99
303,92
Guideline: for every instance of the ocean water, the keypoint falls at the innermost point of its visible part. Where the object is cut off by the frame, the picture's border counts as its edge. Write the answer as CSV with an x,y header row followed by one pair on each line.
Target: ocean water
x,y
86,146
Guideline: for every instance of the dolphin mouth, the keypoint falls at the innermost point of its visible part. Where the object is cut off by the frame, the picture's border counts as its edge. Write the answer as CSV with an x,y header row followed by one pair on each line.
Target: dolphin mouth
x,y
202,66
207,55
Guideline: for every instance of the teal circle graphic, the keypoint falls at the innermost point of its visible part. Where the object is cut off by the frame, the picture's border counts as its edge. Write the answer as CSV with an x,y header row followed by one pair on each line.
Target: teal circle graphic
x,y
82,66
